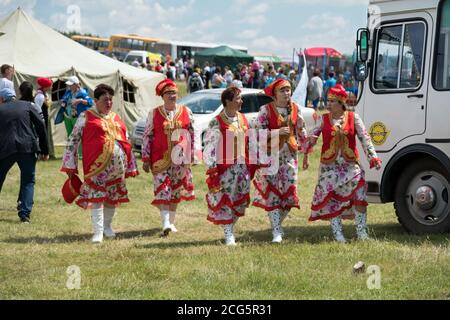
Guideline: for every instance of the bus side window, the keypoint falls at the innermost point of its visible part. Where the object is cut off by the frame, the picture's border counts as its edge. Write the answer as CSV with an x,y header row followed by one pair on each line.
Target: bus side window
x,y
442,75
414,42
387,64
400,56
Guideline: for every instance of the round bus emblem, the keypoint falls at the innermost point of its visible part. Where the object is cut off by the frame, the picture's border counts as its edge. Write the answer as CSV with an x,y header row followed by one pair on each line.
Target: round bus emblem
x,y
379,133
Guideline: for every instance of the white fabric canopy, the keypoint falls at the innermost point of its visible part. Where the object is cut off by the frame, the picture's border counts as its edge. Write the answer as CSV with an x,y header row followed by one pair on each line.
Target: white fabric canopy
x,y
35,50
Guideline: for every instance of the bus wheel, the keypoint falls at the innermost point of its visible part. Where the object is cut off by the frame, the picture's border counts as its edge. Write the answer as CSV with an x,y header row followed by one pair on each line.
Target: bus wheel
x,y
422,198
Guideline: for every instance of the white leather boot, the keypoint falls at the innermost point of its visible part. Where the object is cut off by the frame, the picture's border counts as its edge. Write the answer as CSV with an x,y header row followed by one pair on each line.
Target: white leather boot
x,y
283,215
172,215
97,223
165,219
361,226
229,235
108,215
336,227
277,231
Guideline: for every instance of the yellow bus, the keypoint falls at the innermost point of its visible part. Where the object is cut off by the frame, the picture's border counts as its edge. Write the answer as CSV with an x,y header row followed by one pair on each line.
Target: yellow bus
x,y
119,43
94,43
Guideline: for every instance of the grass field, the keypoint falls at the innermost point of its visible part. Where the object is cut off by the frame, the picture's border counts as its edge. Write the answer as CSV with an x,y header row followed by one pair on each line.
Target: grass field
x,y
194,263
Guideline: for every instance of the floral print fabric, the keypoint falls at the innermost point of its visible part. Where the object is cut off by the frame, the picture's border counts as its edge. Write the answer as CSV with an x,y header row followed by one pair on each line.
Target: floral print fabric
x,y
279,190
176,183
341,185
108,186
234,197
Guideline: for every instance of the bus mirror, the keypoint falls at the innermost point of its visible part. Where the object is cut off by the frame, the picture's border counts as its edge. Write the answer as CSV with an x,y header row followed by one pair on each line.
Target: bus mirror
x,y
360,71
363,45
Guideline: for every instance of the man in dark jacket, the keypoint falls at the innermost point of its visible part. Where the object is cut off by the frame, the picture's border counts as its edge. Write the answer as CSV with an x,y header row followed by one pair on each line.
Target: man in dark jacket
x,y
19,124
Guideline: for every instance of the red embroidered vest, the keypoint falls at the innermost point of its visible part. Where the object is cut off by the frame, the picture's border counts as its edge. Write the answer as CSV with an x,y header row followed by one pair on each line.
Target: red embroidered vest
x,y
335,140
99,136
162,144
276,121
226,157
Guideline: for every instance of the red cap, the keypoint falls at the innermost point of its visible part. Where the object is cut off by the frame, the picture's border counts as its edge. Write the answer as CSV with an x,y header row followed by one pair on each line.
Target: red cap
x,y
71,189
44,82
338,92
164,86
276,85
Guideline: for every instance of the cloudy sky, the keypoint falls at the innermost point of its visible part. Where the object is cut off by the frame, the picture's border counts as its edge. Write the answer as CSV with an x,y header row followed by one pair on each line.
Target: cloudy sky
x,y
263,26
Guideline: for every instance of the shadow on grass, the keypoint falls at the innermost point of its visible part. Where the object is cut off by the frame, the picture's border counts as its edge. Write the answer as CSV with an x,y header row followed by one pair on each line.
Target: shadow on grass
x,y
169,244
83,237
310,234
320,234
313,235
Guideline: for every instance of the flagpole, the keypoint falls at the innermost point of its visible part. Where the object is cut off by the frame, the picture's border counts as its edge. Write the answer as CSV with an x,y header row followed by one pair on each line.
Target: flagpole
x,y
293,59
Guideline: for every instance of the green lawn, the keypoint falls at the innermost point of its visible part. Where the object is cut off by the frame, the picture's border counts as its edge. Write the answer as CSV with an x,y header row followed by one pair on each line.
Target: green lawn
x,y
194,263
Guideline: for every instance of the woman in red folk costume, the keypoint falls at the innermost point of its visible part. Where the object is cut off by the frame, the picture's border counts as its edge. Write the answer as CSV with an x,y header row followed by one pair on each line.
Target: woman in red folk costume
x,y
107,160
341,189
226,156
276,191
168,151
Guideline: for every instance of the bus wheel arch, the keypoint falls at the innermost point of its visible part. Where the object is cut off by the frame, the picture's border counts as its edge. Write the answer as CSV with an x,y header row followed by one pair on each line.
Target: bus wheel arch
x,y
417,179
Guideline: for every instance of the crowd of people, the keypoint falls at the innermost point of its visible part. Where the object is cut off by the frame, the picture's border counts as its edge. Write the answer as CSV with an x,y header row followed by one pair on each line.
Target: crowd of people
x,y
98,137
318,87
257,76
210,76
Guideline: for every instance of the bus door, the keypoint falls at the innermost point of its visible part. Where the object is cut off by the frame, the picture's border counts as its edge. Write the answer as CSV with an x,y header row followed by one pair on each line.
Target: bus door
x,y
395,105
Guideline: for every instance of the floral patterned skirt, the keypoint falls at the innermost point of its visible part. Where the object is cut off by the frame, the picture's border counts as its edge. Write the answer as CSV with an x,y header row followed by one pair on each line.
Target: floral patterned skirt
x,y
233,199
173,186
341,186
108,186
278,191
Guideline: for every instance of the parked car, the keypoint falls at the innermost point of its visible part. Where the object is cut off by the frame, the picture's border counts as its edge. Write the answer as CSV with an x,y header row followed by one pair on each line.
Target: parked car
x,y
207,104
142,57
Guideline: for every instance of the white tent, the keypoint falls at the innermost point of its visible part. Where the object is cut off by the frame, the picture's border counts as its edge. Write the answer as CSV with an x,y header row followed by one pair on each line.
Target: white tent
x,y
35,50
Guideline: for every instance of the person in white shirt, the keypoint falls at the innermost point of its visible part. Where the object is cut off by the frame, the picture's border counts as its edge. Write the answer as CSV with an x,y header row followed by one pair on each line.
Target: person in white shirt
x,y
7,72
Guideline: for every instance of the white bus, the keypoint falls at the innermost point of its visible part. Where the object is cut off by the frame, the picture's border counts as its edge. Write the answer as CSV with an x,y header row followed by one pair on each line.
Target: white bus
x,y
404,66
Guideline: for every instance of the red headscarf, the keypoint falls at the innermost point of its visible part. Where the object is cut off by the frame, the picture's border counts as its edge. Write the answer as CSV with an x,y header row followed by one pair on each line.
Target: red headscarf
x,y
276,85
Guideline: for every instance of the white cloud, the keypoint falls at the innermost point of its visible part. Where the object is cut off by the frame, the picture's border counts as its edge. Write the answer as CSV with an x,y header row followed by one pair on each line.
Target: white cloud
x,y
325,21
322,3
5,3
27,5
271,45
261,8
240,3
248,34
255,20
282,24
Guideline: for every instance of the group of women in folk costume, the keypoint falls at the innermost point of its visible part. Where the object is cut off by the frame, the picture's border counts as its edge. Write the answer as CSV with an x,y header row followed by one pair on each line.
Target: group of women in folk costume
x,y
229,184
341,188
270,160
